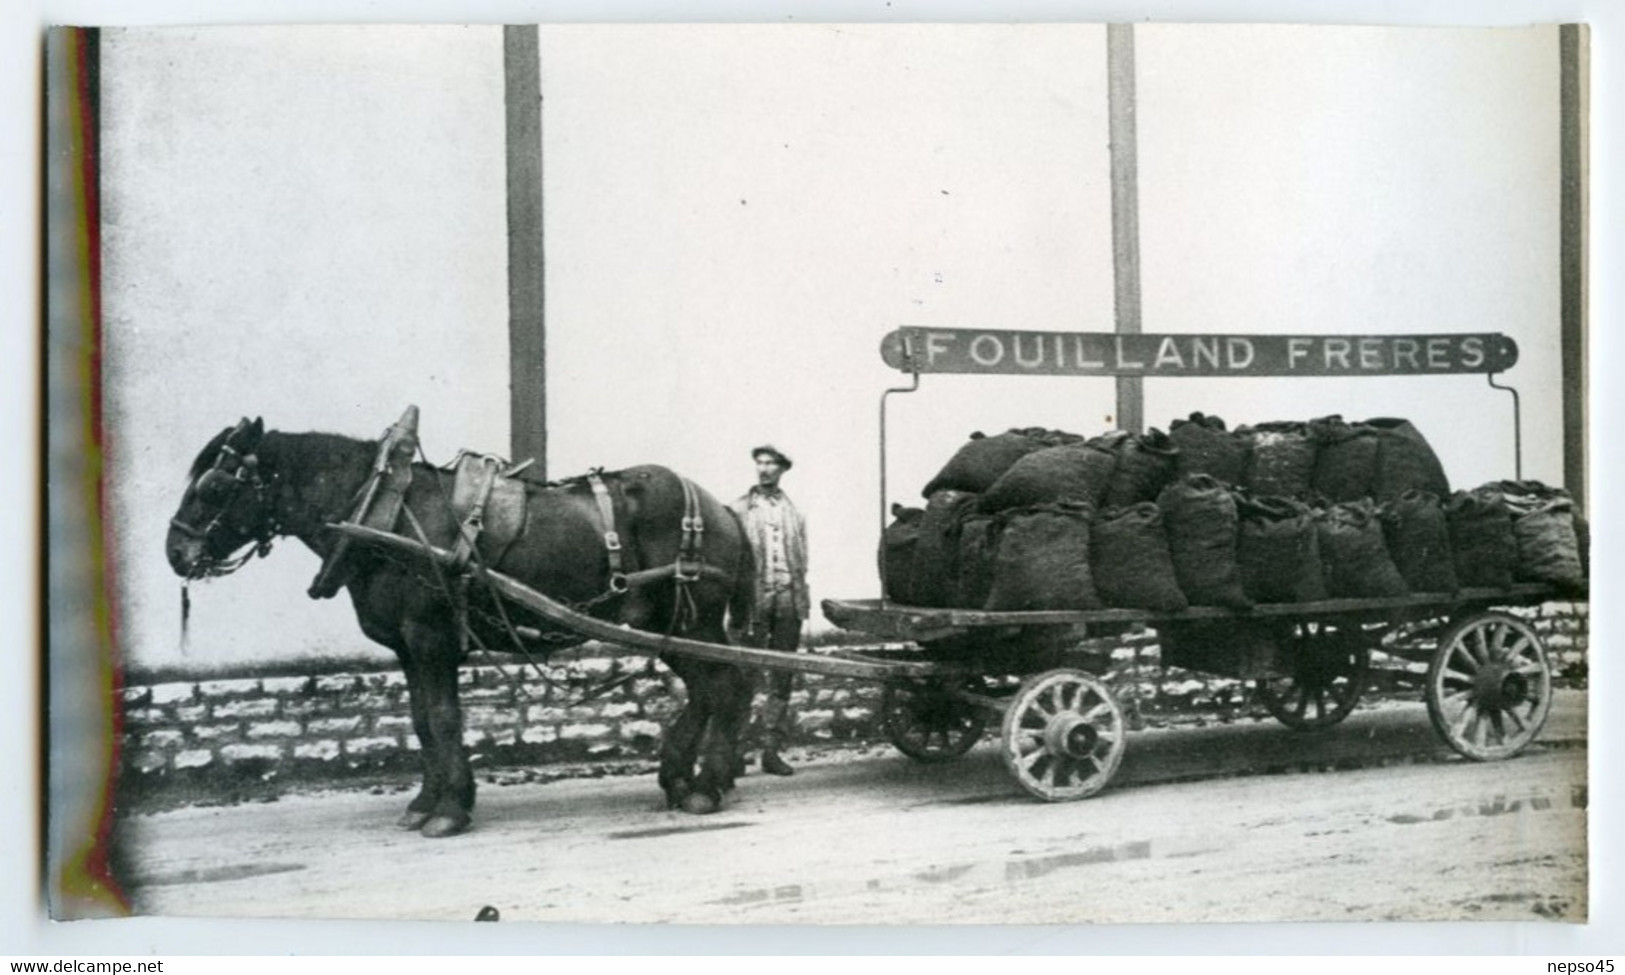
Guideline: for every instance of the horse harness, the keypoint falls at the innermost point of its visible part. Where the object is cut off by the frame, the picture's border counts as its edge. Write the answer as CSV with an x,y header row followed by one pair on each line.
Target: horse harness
x,y
690,560
489,502
225,484
379,501
479,478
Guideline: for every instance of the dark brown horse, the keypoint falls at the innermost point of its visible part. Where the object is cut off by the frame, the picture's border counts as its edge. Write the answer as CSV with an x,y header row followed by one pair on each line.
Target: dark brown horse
x,y
249,486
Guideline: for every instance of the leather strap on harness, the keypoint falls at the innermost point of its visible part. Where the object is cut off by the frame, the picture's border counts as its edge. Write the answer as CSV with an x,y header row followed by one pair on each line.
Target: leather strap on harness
x,y
468,532
612,538
691,547
689,566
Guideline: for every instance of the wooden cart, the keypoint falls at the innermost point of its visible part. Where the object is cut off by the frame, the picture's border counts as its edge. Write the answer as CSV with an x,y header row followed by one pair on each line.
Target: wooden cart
x,y
1062,731
1487,681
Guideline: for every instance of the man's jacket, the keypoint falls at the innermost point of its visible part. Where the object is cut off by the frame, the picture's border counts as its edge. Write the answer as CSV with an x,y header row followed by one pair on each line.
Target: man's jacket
x,y
751,510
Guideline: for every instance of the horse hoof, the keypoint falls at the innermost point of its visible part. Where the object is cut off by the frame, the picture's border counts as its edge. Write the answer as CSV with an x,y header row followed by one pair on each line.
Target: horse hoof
x,y
700,804
442,826
412,820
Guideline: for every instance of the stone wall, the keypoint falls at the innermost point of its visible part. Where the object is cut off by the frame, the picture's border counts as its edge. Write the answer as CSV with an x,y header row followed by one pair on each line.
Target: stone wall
x,y
591,707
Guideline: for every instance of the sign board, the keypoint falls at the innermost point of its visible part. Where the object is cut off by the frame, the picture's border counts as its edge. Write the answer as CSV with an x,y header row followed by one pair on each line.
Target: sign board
x,y
1021,353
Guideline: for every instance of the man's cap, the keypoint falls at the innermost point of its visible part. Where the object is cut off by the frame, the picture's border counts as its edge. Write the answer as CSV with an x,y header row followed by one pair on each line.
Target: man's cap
x,y
772,452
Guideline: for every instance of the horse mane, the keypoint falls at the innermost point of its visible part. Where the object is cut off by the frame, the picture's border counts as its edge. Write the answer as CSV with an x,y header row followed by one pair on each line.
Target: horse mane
x,y
312,451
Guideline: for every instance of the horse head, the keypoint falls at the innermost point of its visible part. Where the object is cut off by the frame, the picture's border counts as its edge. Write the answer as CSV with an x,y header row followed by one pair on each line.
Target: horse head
x,y
227,506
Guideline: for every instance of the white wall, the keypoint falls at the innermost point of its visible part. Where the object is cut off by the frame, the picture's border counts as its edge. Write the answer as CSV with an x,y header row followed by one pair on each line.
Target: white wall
x,y
309,226
306,225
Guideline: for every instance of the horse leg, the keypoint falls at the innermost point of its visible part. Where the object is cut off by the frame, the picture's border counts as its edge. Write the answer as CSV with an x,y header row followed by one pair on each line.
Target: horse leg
x,y
681,743
437,651
729,690
418,810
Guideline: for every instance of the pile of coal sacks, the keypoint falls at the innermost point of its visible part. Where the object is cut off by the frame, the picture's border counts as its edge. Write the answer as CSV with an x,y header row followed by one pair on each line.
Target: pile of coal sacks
x,y
1284,512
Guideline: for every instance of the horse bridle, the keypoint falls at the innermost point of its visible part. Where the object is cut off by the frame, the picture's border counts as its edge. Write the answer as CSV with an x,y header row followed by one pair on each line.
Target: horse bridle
x,y
227,485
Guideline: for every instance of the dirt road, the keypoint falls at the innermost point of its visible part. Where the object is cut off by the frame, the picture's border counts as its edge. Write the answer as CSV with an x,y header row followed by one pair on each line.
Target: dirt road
x,y
874,838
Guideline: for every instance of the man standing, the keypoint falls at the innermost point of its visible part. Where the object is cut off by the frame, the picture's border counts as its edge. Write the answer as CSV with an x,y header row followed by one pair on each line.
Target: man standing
x,y
778,540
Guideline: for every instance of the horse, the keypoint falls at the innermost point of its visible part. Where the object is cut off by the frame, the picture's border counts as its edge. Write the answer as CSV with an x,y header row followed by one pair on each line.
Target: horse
x,y
249,486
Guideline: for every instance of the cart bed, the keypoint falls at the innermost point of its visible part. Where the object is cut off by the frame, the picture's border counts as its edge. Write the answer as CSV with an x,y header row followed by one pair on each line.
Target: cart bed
x,y
885,618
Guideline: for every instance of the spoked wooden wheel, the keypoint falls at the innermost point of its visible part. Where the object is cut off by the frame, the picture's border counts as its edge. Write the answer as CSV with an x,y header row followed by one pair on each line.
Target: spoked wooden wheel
x,y
928,722
1063,735
1326,672
1489,686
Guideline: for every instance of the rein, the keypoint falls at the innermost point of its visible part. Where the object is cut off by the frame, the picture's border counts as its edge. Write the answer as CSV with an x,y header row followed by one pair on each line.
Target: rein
x,y
230,484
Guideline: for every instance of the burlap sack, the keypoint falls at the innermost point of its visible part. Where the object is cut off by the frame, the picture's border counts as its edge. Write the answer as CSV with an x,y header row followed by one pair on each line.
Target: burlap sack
x,y
1206,447
1112,440
980,461
1281,459
1072,472
1199,516
1043,560
1418,537
936,554
1345,459
1405,462
1049,438
978,546
897,544
1130,561
1278,550
1481,540
1145,465
1354,555
1548,540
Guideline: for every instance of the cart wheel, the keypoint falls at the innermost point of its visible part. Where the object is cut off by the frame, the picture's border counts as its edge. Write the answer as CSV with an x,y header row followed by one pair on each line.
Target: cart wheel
x,y
928,722
1328,669
1063,735
1489,686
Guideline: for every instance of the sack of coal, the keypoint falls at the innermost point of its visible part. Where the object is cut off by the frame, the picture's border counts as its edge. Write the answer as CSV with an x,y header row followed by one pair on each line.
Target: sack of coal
x,y
897,545
1280,459
1145,465
1050,438
1345,459
979,462
936,553
1043,560
1207,447
1199,516
1130,561
1405,461
1071,472
1418,537
1278,550
1481,540
1543,526
978,546
1354,554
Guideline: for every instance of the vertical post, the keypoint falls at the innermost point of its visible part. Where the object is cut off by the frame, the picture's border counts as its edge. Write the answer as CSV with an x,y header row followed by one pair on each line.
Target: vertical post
x,y
1572,93
527,320
1125,211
